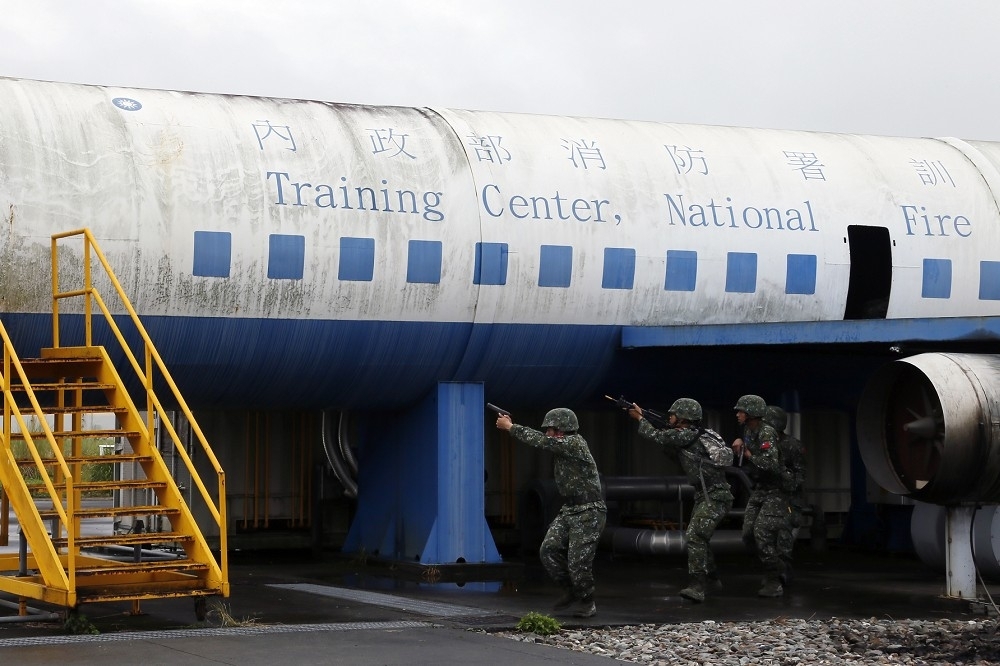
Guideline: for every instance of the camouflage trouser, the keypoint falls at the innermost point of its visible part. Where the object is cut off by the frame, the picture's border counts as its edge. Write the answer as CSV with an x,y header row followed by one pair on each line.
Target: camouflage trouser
x,y
705,517
789,531
570,545
766,514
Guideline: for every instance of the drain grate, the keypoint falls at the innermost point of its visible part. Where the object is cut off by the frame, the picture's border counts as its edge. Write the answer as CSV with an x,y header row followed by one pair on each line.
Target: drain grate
x,y
216,631
486,620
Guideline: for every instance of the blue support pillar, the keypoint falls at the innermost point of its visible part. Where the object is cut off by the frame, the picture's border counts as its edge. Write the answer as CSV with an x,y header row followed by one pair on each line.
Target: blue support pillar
x,y
421,485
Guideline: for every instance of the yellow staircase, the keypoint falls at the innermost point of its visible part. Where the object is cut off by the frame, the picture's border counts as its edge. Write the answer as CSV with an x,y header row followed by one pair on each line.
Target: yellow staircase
x,y
57,409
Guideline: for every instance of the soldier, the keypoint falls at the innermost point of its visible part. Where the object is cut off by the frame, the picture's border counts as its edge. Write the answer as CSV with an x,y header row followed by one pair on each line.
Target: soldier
x,y
793,453
704,456
767,509
571,541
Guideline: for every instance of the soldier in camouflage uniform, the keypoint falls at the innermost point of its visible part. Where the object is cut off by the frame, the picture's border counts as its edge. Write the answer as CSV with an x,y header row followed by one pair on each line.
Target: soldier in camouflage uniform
x,y
768,507
793,453
713,497
571,541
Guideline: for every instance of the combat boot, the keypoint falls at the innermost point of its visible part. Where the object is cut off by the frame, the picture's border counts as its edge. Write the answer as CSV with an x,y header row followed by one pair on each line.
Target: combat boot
x,y
714,581
772,586
695,590
565,601
586,607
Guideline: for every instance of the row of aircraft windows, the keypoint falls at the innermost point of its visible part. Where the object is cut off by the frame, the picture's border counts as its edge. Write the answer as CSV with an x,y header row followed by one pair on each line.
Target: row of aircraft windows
x,y
286,261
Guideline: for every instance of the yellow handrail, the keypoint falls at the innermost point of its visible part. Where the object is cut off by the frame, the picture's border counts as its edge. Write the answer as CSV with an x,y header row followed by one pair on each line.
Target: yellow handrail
x,y
144,372
12,413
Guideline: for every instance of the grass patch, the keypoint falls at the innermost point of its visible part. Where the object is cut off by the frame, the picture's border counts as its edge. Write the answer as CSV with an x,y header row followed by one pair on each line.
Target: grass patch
x,y
537,623
219,614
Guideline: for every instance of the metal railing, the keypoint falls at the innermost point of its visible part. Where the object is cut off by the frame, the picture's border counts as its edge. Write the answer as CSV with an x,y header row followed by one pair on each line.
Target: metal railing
x,y
21,499
145,372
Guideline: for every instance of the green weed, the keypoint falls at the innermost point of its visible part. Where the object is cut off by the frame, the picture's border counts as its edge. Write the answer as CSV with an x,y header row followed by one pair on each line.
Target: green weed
x,y
537,623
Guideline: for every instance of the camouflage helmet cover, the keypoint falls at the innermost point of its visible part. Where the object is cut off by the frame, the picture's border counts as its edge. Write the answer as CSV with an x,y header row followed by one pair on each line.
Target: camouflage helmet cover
x,y
686,409
776,417
753,405
561,418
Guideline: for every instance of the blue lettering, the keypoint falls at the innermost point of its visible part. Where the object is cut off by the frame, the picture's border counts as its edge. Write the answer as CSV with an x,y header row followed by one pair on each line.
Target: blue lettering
x,y
486,203
963,221
934,225
676,207
431,202
324,197
277,185
750,217
516,203
362,198
776,219
536,207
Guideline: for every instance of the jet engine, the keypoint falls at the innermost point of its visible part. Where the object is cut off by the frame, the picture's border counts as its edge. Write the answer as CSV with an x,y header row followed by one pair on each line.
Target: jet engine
x,y
929,428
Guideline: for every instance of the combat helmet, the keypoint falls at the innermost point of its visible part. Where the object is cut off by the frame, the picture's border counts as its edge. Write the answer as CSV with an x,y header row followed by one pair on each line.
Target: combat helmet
x,y
561,418
686,409
753,405
776,417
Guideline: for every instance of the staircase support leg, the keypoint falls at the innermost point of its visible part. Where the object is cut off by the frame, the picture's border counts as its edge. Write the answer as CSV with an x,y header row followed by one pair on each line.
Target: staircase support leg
x,y
421,485
22,554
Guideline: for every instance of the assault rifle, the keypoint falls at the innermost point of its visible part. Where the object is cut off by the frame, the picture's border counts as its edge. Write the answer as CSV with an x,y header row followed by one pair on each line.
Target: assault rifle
x,y
498,410
658,420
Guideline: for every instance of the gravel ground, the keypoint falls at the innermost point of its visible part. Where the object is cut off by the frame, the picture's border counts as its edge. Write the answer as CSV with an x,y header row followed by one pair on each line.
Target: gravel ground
x,y
788,642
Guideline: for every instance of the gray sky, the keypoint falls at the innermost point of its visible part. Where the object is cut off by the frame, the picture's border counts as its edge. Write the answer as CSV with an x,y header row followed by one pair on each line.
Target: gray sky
x,y
891,67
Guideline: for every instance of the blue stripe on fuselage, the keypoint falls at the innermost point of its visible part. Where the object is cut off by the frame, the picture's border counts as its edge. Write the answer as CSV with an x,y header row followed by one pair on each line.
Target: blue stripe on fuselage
x,y
941,329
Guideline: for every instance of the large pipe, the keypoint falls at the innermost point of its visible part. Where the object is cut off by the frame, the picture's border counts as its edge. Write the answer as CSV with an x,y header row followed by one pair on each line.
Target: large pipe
x,y
33,614
666,542
647,487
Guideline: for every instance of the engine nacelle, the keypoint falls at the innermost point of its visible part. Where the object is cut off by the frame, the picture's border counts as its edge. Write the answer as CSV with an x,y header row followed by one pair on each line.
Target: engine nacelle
x,y
929,427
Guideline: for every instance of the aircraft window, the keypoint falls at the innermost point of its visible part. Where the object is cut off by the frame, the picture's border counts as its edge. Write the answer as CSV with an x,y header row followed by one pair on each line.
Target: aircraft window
x,y
800,275
741,272
555,267
491,264
619,268
213,252
286,256
423,262
989,280
357,259
937,278
682,270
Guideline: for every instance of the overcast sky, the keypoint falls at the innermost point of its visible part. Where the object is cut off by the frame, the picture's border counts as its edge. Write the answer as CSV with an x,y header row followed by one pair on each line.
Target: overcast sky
x,y
891,67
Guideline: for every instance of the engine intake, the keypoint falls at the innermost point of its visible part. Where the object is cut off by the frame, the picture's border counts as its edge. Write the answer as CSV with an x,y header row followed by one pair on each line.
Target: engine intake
x,y
929,427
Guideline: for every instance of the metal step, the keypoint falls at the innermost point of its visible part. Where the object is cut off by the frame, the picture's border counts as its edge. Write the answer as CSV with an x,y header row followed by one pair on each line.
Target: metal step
x,y
116,511
91,541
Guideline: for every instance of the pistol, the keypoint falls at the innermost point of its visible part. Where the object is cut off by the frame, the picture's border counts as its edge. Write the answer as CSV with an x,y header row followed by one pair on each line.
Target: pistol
x,y
498,410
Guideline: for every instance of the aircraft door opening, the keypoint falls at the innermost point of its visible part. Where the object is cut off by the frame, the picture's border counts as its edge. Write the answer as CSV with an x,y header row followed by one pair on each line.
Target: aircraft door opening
x,y
871,272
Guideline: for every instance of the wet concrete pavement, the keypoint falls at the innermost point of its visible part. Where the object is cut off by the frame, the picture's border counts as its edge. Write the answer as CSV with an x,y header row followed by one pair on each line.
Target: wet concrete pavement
x,y
376,612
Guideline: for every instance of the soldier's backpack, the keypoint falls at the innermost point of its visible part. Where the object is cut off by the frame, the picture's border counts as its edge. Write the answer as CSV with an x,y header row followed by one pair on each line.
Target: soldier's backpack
x,y
719,453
